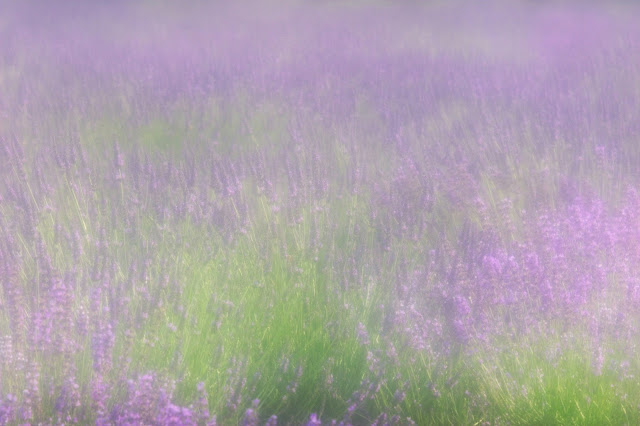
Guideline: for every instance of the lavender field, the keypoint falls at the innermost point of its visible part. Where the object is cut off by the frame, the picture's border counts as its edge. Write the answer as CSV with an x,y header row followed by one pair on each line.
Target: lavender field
x,y
319,213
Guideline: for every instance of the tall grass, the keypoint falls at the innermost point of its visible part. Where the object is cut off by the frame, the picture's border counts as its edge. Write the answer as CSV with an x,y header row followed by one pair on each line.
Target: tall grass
x,y
362,214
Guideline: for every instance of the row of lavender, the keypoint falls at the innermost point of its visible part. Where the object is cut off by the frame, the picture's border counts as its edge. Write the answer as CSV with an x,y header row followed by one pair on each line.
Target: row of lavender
x,y
487,188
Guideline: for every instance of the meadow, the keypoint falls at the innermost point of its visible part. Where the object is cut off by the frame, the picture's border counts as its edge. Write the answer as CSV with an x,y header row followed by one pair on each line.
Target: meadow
x,y
320,213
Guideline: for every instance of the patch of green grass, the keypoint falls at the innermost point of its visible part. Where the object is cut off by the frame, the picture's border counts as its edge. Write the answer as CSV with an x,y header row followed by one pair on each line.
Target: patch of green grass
x,y
240,311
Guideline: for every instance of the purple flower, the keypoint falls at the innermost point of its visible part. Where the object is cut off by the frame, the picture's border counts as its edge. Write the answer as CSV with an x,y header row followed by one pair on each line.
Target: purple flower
x,y
313,420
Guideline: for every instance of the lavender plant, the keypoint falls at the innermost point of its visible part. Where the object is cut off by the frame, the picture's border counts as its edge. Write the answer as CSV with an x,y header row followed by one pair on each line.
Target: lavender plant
x,y
318,214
